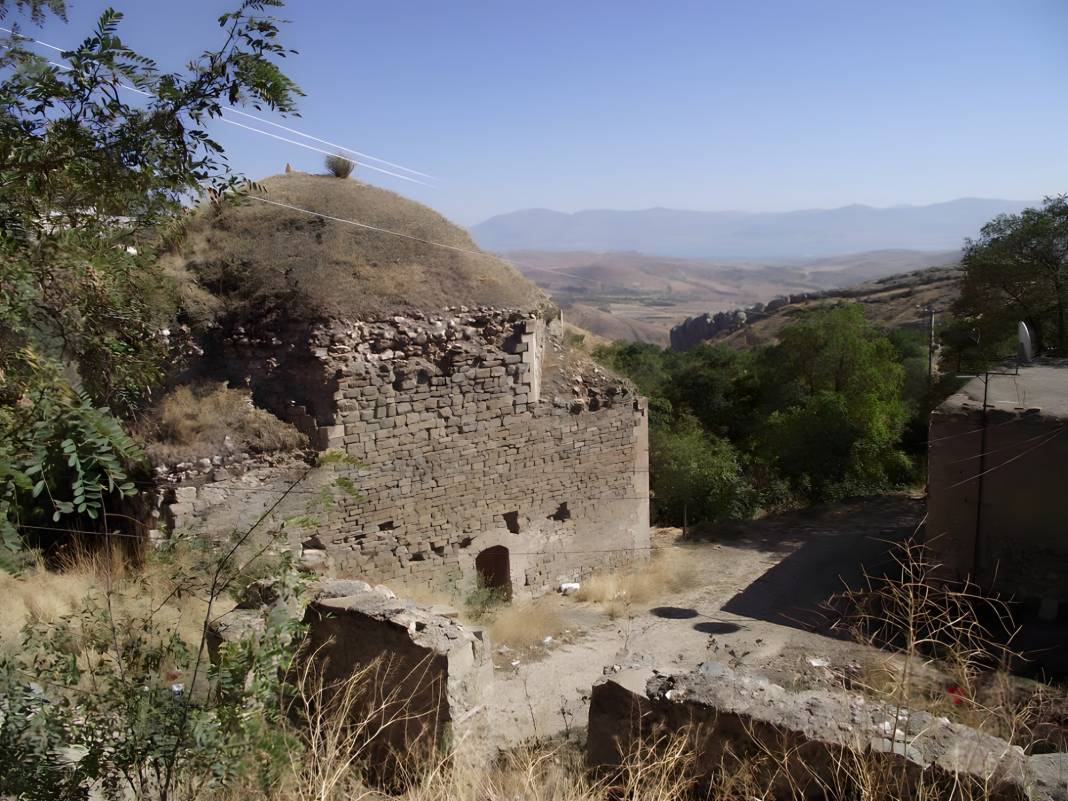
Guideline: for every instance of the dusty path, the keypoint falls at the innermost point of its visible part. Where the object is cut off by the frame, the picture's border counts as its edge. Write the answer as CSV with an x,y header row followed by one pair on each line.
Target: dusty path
x,y
757,588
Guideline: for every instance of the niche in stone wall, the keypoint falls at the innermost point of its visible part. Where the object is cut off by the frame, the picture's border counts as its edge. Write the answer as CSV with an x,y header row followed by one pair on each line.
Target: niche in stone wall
x,y
511,520
561,514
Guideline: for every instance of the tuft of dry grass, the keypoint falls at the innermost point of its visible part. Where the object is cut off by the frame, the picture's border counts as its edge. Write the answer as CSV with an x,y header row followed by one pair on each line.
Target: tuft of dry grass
x,y
951,652
339,166
199,421
520,625
39,596
666,573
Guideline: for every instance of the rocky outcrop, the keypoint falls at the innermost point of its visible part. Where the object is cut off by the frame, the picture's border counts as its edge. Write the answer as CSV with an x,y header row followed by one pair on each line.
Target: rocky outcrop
x,y
812,736
718,325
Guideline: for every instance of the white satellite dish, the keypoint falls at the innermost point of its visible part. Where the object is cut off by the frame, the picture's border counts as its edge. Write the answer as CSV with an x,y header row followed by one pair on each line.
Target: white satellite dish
x,y
1024,346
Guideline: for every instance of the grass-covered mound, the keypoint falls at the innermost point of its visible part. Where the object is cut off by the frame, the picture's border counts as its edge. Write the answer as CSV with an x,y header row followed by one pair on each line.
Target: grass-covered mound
x,y
254,260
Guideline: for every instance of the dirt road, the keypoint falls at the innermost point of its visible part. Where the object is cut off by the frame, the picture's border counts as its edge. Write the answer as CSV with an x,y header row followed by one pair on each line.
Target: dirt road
x,y
759,586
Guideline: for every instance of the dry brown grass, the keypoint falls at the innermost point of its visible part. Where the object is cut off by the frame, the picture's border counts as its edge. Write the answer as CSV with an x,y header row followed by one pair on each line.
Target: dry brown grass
x,y
39,596
263,261
950,652
666,573
199,421
520,625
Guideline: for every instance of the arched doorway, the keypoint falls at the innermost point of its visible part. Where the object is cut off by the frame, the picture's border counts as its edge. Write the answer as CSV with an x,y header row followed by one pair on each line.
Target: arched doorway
x,y
494,570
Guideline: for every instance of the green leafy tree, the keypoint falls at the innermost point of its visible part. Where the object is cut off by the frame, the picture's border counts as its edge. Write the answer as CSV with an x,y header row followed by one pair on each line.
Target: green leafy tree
x,y
95,164
1017,269
696,476
834,384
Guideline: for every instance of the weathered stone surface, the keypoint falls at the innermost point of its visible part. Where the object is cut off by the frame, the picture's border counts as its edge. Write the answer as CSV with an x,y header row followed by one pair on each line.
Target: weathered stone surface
x,y
695,330
424,675
458,422
733,715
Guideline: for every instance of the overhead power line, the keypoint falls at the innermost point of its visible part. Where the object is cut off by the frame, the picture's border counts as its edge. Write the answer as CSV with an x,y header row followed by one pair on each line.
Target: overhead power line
x,y
357,153
359,224
320,150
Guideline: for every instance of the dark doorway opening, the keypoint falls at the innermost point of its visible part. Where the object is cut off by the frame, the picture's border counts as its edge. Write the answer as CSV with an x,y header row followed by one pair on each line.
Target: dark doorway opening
x,y
494,570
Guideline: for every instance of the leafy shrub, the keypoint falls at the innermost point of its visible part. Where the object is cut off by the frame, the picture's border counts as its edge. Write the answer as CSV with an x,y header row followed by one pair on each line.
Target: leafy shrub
x,y
124,705
695,475
60,457
819,415
482,600
339,166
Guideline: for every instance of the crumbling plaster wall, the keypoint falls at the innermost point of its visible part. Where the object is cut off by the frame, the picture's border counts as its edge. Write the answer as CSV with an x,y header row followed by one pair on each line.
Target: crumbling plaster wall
x,y
1006,529
472,429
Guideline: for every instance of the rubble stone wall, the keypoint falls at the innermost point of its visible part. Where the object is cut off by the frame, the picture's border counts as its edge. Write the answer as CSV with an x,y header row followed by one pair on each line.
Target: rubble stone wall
x,y
471,430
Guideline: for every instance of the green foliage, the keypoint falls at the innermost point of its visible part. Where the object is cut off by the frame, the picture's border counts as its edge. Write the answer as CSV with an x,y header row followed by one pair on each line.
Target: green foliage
x,y
36,10
93,177
60,456
835,386
1017,269
816,416
339,166
122,705
695,475
483,599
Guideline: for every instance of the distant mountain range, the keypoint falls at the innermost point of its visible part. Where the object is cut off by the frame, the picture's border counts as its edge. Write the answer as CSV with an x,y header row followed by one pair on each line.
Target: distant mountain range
x,y
735,234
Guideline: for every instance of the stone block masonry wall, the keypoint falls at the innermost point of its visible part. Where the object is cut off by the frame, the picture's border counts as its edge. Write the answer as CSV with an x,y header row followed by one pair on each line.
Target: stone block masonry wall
x,y
474,431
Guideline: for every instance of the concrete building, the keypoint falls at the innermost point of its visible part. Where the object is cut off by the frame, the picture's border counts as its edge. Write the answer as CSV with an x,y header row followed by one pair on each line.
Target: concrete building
x,y
998,483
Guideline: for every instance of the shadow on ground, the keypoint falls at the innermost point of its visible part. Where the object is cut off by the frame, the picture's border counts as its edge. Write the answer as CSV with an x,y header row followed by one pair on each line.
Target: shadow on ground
x,y
837,545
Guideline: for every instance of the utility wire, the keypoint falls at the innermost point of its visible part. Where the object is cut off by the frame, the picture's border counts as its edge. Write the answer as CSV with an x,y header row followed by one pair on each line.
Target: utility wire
x,y
1048,439
1013,446
181,538
326,142
358,224
68,68
318,150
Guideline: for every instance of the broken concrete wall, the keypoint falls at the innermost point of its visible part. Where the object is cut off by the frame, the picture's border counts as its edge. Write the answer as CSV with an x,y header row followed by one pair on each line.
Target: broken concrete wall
x,y
473,430
998,502
734,718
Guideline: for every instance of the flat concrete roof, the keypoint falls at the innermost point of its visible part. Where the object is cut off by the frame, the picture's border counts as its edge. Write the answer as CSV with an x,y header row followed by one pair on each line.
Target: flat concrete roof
x,y
1040,388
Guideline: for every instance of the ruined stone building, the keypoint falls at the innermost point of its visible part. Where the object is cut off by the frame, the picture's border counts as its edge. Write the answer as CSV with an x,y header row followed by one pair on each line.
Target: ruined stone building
x,y
998,484
481,444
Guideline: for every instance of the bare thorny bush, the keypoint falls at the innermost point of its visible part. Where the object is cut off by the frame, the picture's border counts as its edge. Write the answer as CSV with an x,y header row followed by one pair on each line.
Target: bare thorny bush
x,y
951,651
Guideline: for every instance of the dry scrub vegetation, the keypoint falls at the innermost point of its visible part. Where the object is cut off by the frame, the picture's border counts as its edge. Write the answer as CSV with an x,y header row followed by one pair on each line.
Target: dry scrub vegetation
x,y
666,573
39,596
949,651
331,761
521,625
254,260
198,421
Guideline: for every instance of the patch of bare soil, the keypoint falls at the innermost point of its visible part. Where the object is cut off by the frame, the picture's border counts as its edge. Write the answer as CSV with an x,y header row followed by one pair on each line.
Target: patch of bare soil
x,y
755,603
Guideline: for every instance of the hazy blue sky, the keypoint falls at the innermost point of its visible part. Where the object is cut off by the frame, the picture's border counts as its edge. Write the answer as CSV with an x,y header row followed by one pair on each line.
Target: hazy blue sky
x,y
753,105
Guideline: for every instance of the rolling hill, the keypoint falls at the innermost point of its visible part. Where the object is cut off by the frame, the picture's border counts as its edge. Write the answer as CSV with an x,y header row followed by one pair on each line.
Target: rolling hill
x,y
639,297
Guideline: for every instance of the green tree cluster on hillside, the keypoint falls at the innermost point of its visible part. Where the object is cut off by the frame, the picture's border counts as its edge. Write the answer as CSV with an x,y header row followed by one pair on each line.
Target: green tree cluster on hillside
x,y
96,161
818,415
1016,269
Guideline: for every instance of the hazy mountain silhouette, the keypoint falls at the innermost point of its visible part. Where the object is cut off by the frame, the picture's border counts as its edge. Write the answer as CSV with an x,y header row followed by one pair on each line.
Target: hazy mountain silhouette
x,y
734,234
